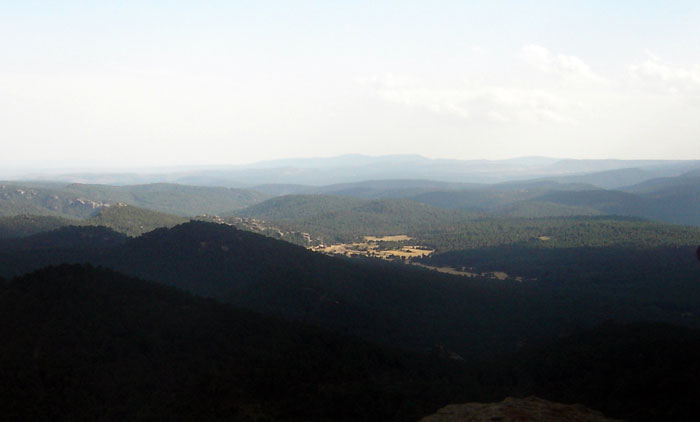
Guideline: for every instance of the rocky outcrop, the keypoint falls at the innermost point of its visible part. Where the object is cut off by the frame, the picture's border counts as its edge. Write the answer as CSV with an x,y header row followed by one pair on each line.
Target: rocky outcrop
x,y
517,410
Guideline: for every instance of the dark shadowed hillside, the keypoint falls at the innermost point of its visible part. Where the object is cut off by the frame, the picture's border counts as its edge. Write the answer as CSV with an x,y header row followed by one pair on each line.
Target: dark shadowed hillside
x,y
77,239
84,343
388,303
26,225
639,372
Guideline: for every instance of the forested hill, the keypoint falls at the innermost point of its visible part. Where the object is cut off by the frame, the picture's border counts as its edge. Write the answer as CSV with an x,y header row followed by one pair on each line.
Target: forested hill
x,y
25,225
76,240
16,199
340,219
672,200
494,198
661,184
298,207
169,198
131,220
82,200
379,301
388,303
123,218
83,343
562,232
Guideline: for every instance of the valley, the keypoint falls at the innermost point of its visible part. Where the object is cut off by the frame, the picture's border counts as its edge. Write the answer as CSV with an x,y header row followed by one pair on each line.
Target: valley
x,y
374,211
448,291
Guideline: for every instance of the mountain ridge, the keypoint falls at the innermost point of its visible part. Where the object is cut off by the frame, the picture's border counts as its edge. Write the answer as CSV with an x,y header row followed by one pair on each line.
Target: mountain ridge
x,y
354,168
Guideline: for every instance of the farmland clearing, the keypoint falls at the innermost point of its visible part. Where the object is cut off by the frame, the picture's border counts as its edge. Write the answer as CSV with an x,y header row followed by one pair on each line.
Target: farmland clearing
x,y
391,248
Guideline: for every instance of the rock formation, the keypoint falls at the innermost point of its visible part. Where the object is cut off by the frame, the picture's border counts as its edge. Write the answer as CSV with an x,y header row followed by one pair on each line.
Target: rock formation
x,y
517,410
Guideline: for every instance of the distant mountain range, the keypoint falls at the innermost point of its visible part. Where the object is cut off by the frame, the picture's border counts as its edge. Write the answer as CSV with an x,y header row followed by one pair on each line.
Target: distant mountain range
x,y
356,168
667,191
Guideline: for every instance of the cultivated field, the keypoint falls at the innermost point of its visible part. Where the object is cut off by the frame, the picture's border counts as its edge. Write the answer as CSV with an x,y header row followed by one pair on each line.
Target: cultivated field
x,y
385,247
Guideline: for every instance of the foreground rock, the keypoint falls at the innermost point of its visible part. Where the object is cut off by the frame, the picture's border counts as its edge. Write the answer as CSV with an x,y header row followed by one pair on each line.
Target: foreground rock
x,y
517,410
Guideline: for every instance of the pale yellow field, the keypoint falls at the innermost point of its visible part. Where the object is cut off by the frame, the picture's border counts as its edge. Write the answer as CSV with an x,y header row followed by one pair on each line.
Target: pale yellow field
x,y
370,247
395,238
406,251
500,275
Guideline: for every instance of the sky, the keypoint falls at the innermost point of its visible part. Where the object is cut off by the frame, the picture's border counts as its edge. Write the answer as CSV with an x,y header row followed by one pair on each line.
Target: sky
x,y
166,83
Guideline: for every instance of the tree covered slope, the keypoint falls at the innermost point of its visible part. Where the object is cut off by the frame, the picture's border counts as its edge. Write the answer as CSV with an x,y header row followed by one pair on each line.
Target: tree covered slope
x,y
84,343
388,303
84,200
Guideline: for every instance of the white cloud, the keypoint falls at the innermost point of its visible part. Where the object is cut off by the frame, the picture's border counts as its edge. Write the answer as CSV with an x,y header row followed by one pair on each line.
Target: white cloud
x,y
496,104
675,80
568,66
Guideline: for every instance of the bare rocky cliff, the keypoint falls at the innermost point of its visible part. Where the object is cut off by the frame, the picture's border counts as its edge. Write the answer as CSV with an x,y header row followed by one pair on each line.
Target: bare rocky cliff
x,y
517,410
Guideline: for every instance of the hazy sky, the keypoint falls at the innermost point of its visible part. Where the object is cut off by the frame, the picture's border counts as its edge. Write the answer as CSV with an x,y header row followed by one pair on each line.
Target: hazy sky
x,y
141,83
